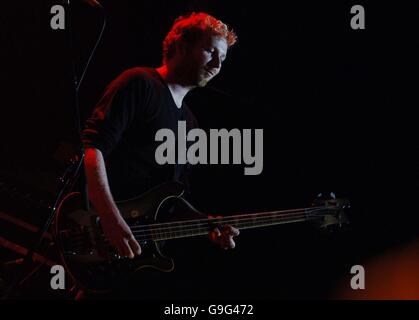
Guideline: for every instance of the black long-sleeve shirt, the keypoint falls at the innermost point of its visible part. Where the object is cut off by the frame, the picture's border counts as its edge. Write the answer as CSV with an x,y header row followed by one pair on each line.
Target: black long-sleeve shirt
x,y
123,126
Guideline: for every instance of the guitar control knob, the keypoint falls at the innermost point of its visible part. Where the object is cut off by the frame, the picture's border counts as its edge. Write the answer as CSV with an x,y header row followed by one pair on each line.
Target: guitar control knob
x,y
134,213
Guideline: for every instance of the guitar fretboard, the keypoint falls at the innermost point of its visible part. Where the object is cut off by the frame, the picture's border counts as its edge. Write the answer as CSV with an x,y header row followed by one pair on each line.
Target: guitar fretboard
x,y
199,227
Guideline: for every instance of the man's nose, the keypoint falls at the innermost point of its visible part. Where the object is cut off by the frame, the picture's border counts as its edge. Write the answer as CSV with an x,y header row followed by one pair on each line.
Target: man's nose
x,y
215,62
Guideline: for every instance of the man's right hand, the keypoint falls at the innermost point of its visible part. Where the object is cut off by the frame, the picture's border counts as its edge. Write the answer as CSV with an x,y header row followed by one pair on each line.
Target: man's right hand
x,y
114,226
120,236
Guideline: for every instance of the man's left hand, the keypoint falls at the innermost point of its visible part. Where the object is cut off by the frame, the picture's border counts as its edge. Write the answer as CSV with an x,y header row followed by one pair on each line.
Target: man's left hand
x,y
223,236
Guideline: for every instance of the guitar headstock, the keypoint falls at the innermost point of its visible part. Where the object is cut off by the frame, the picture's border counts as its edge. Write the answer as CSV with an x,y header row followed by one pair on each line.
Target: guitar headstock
x,y
333,209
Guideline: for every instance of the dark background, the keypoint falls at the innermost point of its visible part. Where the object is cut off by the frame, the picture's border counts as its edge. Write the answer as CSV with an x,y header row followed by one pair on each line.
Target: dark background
x,y
336,106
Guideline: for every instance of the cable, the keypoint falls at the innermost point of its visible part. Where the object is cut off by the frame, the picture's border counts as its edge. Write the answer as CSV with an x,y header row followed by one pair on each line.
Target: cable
x,y
95,46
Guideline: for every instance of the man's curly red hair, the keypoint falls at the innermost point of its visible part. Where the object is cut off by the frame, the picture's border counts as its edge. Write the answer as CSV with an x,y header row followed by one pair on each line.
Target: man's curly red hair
x,y
191,27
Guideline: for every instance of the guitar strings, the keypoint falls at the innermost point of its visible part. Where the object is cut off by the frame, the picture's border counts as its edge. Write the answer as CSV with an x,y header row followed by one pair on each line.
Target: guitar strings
x,y
164,231
166,236
223,220
205,227
203,232
233,218
236,219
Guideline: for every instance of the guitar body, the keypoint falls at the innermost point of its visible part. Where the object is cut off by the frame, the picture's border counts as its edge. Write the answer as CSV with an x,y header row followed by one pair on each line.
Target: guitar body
x,y
91,262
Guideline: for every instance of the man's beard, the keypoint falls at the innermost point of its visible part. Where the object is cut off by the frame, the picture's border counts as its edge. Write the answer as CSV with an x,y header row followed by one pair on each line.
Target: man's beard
x,y
203,81
204,77
194,77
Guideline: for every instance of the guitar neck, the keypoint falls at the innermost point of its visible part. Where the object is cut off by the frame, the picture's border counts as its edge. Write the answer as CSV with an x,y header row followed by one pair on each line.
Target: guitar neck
x,y
192,228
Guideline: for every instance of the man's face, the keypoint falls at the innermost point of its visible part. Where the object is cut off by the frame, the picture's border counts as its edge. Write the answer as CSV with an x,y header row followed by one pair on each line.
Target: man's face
x,y
202,61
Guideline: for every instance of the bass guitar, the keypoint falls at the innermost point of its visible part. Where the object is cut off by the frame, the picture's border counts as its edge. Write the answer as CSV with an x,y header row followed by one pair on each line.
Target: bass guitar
x,y
94,265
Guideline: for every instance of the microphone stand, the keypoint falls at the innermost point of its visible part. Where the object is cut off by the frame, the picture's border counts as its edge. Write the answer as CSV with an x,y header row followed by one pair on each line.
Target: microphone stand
x,y
71,174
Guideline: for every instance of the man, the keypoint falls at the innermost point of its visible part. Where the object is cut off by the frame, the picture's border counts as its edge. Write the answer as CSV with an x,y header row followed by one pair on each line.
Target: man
x,y
134,107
